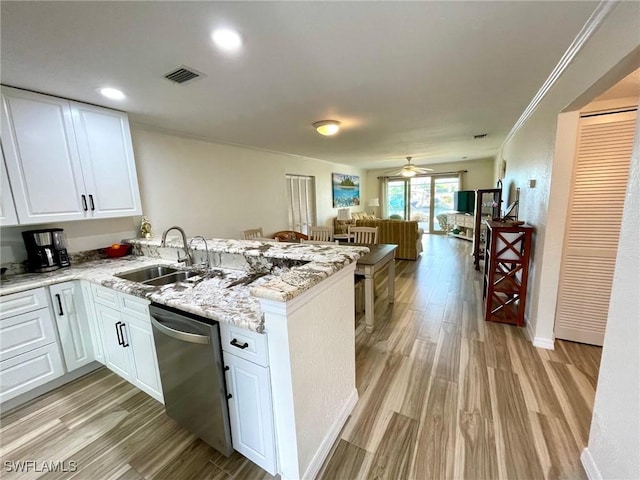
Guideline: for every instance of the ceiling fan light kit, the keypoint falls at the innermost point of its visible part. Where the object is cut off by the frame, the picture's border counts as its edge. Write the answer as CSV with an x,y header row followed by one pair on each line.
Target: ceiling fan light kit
x,y
410,170
327,127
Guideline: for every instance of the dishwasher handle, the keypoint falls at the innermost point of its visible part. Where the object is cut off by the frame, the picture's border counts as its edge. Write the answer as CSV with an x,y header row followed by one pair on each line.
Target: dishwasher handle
x,y
178,335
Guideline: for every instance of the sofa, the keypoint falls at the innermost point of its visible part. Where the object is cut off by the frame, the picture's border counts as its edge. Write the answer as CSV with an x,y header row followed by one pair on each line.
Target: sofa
x,y
404,233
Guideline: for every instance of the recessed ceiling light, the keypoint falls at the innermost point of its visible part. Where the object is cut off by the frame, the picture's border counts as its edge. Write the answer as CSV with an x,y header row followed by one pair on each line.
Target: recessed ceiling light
x,y
112,93
327,127
226,39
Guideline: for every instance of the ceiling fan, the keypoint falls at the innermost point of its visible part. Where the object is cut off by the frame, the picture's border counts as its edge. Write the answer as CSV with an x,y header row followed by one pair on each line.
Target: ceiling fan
x,y
410,170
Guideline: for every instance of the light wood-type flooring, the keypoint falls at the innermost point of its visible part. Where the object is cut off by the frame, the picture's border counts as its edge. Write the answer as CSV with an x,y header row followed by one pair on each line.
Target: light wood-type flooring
x,y
443,394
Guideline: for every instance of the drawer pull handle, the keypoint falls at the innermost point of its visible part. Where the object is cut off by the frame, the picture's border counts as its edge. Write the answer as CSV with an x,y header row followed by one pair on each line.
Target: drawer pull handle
x,y
242,346
93,207
84,202
124,342
60,312
120,341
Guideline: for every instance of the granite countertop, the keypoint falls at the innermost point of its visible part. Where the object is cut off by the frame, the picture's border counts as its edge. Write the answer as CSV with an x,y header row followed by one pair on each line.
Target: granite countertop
x,y
211,293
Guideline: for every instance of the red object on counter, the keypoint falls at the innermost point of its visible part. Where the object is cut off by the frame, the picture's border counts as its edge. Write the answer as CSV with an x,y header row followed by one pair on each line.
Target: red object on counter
x,y
121,251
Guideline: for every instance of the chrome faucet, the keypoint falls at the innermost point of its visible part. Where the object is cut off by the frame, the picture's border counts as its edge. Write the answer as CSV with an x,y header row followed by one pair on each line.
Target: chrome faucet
x,y
187,259
206,249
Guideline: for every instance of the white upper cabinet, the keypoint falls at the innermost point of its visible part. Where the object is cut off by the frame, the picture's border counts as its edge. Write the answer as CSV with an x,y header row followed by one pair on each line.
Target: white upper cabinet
x,y
108,166
42,157
8,215
66,160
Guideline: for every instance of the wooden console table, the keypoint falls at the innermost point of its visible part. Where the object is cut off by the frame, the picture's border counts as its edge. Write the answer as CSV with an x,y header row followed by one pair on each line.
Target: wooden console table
x,y
506,268
463,222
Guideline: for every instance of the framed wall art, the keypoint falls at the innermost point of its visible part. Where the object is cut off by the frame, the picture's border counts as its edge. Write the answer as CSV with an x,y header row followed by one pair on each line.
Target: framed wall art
x,y
346,190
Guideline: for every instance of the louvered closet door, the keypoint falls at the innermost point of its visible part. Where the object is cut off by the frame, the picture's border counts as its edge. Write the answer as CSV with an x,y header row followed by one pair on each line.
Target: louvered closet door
x,y
593,226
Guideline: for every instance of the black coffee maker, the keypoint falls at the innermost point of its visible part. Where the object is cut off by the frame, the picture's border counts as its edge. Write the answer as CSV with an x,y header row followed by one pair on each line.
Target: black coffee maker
x,y
46,249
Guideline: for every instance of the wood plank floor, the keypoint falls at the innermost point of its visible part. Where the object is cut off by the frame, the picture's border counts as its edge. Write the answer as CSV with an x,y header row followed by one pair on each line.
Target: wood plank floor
x,y
442,395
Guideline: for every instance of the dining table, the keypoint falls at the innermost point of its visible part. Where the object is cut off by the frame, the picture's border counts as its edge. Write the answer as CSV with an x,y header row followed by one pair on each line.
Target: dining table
x,y
380,255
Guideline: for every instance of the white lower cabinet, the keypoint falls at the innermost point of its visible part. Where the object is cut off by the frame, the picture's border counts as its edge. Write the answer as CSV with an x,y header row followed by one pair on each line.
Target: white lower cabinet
x,y
29,370
29,353
250,411
248,379
73,325
127,339
145,371
96,335
115,351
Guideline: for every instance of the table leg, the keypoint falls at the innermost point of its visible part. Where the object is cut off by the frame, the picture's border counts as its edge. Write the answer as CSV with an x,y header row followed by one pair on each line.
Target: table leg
x,y
368,302
392,280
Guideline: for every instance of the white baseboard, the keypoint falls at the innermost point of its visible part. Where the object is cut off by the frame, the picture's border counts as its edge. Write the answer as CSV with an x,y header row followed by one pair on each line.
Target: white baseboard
x,y
543,342
540,342
589,465
332,435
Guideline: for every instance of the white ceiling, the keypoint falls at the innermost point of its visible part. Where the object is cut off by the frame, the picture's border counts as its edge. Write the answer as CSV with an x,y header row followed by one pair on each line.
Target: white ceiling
x,y
404,78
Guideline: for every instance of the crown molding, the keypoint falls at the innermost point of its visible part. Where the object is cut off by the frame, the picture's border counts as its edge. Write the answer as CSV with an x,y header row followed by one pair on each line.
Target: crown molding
x,y
598,16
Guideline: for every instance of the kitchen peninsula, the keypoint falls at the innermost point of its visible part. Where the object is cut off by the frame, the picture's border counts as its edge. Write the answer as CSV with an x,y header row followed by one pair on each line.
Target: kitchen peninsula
x,y
300,305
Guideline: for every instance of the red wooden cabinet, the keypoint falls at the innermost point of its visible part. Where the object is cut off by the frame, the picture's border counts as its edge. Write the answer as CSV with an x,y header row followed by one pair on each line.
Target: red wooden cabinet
x,y
506,269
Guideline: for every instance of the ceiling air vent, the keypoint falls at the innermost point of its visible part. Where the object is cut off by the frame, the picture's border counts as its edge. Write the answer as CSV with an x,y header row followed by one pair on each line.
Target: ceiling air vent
x,y
183,75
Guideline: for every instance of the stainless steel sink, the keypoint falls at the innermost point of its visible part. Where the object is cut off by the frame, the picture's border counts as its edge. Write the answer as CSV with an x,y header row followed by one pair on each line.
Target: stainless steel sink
x,y
174,277
149,273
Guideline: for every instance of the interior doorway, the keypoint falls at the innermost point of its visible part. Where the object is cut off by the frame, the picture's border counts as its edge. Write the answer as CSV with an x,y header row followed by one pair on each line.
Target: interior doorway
x,y
598,188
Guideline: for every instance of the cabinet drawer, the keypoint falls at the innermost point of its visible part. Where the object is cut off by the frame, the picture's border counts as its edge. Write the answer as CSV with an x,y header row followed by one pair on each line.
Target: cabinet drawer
x,y
135,307
245,344
105,296
23,302
468,222
29,370
25,332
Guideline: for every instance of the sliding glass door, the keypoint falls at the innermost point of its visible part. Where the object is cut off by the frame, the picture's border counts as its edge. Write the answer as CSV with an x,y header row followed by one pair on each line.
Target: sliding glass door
x,y
421,198
444,187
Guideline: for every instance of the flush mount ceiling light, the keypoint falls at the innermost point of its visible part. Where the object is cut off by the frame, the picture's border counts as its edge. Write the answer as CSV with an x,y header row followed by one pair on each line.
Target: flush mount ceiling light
x,y
226,39
112,93
327,127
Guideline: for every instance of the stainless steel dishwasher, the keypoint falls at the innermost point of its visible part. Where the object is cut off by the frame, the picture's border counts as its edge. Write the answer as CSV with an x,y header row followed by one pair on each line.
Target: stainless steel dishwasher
x,y
191,371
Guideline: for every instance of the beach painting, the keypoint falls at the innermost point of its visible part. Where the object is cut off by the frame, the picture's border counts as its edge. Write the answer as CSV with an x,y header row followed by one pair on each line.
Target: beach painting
x,y
346,190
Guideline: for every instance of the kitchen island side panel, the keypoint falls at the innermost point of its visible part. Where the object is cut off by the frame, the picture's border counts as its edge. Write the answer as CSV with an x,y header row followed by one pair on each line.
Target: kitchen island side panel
x,y
312,360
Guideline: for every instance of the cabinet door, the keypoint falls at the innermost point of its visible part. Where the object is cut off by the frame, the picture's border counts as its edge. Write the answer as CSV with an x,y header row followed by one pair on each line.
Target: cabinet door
x,y
73,324
144,366
96,335
108,166
250,411
112,331
42,158
8,214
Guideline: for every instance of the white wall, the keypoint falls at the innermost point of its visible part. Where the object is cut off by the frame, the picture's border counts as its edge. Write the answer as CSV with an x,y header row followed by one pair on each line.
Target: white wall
x,y
530,153
218,190
614,440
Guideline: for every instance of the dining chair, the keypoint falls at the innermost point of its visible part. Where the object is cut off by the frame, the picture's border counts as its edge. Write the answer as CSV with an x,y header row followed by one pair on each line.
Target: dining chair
x,y
290,236
363,235
252,233
319,242
323,234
